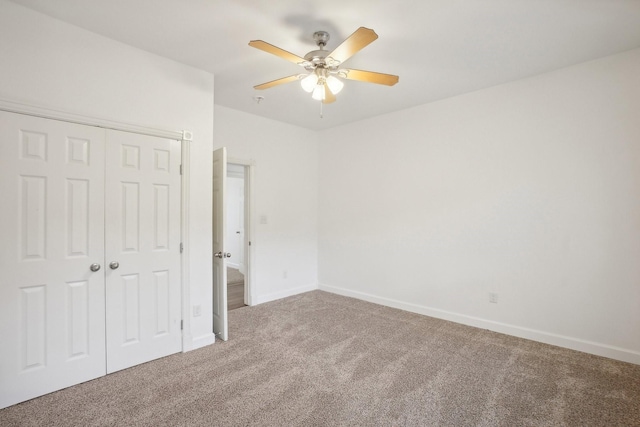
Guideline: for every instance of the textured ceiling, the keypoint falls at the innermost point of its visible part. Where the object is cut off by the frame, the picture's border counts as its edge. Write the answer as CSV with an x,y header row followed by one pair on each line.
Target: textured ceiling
x,y
439,48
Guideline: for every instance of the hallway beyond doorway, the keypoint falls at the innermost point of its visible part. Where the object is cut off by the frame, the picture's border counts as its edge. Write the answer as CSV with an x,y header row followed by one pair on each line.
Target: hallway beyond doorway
x,y
235,289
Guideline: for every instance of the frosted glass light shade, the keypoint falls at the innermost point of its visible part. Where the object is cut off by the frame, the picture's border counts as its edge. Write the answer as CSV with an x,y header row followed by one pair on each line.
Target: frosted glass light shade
x,y
318,93
309,82
335,84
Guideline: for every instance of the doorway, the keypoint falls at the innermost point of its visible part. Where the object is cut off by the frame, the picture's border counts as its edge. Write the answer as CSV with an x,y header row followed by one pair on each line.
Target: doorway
x,y
235,236
240,231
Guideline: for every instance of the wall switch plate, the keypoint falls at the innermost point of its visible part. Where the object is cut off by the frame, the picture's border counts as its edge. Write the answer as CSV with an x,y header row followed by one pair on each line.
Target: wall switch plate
x,y
197,310
493,297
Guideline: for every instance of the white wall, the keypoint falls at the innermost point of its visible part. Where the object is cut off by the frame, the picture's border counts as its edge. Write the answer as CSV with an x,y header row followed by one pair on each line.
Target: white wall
x,y
530,190
284,188
48,63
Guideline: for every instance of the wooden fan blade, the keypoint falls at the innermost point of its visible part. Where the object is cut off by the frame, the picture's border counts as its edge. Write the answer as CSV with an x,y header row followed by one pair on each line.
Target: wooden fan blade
x,y
276,82
354,43
269,48
372,77
329,97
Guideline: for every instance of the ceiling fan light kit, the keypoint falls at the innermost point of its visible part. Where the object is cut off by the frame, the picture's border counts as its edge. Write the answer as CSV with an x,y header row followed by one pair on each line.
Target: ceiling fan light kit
x,y
324,78
335,84
318,93
309,82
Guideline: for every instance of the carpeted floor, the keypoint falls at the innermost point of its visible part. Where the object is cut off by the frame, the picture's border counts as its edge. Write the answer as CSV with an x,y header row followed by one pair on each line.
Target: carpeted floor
x,y
319,359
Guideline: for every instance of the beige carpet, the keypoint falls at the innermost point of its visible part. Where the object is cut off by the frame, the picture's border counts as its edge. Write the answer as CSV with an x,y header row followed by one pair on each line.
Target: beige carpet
x,y
319,359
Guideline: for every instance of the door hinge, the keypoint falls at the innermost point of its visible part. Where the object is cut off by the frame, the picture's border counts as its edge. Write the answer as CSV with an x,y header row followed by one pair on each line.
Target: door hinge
x,y
181,325
249,242
180,169
181,248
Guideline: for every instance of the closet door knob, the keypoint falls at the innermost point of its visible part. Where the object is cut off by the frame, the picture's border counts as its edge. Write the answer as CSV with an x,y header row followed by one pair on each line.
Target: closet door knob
x,y
218,255
227,255
114,264
95,267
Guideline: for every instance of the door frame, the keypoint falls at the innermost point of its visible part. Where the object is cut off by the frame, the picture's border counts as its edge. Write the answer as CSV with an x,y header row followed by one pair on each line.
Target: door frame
x,y
184,136
249,203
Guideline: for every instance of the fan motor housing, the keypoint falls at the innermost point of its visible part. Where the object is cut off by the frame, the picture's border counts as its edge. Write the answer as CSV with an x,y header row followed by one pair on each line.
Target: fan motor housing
x,y
316,56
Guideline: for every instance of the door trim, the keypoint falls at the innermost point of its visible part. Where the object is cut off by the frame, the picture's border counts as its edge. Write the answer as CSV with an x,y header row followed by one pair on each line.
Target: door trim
x,y
187,338
48,113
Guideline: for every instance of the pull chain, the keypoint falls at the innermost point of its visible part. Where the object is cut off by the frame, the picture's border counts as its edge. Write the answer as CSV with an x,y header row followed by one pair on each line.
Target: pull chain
x,y
321,116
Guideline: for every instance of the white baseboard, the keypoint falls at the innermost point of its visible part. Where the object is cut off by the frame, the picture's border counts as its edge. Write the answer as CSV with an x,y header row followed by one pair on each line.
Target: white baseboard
x,y
260,299
199,342
598,349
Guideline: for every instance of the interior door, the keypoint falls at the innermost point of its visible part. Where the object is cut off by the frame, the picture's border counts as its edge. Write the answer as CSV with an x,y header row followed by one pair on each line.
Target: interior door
x,y
52,308
220,326
143,294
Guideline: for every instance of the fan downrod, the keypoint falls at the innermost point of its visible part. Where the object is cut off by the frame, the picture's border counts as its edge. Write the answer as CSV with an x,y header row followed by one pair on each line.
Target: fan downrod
x,y
316,58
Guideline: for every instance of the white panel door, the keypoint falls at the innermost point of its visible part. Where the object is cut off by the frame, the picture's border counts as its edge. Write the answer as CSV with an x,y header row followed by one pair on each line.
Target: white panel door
x,y
52,308
220,326
142,249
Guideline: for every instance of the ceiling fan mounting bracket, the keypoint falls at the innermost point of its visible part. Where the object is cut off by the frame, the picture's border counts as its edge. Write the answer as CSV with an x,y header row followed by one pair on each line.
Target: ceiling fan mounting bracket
x,y
321,38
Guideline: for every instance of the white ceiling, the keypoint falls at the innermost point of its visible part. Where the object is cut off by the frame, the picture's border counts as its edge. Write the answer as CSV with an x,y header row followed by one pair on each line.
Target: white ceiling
x,y
439,48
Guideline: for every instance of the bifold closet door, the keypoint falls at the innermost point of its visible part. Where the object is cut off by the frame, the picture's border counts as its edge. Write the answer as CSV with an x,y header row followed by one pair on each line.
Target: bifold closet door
x,y
52,283
90,278
142,249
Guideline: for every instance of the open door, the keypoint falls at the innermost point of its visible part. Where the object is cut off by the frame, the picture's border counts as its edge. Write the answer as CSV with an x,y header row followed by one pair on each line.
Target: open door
x,y
220,325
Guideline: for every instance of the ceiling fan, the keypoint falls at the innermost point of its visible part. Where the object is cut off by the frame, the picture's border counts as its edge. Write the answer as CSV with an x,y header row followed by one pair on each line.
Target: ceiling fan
x,y
323,80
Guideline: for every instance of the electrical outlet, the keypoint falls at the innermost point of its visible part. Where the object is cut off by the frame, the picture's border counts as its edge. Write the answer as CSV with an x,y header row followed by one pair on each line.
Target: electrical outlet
x,y
493,297
197,310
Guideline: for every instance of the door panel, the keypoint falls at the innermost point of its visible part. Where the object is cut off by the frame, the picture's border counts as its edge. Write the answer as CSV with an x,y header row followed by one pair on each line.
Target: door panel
x,y
143,237
220,326
52,312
